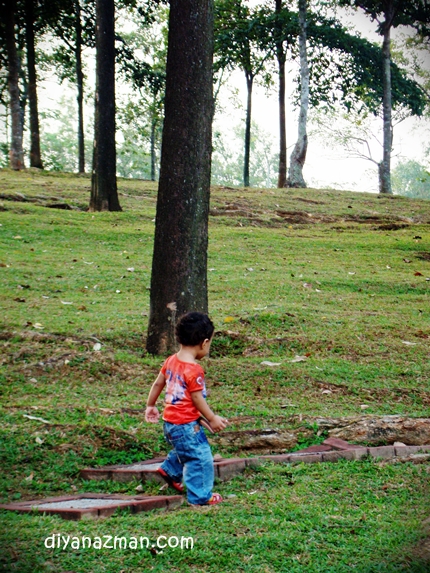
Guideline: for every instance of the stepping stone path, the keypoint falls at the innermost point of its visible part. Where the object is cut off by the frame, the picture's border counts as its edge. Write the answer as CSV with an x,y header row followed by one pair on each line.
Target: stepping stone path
x,y
94,505
331,450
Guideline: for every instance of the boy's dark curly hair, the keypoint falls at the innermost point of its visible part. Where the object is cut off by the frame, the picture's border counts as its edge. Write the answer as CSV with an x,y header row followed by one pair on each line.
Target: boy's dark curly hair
x,y
194,328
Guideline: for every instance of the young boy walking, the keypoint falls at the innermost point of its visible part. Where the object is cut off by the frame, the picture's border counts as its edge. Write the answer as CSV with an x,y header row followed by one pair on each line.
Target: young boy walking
x,y
185,403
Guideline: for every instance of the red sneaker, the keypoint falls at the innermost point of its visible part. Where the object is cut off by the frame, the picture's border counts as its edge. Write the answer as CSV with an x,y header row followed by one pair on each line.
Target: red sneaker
x,y
216,498
175,484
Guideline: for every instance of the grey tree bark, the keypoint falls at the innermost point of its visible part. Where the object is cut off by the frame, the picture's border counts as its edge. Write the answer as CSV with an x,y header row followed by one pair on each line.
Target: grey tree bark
x,y
298,156
179,266
16,154
385,165
104,194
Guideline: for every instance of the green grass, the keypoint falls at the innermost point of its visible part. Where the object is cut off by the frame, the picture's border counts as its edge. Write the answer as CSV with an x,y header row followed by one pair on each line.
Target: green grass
x,y
345,286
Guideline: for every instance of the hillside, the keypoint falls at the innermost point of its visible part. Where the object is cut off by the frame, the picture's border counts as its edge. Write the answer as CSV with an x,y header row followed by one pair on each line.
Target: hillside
x,y
339,279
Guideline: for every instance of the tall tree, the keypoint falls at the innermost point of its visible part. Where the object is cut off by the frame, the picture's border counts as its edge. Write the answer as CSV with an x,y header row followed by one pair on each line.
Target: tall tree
x,y
73,23
104,193
30,16
237,44
16,154
179,266
390,14
298,156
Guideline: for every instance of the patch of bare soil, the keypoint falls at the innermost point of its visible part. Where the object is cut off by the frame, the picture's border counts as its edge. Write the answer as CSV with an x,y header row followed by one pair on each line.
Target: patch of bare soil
x,y
41,200
424,256
421,551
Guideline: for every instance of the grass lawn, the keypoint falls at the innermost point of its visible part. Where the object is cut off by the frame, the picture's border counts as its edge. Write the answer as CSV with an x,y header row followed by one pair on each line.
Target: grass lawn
x,y
339,278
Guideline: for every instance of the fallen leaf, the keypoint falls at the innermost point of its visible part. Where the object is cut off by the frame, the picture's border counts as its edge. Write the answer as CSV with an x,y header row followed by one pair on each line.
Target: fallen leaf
x,y
65,302
268,363
88,263
364,406
351,273
39,440
31,476
19,299
307,285
229,319
326,392
298,358
140,487
418,274
38,326
409,343
83,308
18,237
406,261
35,418
250,270
97,346
130,269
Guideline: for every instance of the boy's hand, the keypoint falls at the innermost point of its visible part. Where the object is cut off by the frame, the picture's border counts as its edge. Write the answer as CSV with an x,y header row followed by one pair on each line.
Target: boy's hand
x,y
217,423
152,414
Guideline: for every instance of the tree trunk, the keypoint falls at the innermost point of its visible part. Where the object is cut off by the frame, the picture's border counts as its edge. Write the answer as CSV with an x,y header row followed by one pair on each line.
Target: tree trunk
x,y
80,86
281,57
16,154
179,267
298,155
104,195
153,127
385,172
249,83
35,156
371,430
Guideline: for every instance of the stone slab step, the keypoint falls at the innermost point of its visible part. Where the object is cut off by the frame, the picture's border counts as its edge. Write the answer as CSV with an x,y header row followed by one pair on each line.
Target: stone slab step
x,y
94,505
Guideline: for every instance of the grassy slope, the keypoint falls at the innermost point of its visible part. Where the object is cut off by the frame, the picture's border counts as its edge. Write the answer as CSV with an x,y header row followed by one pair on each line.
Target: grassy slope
x,y
337,276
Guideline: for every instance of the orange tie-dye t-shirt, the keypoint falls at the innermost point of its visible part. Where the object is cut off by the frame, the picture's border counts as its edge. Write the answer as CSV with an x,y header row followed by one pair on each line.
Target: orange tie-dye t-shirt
x,y
182,378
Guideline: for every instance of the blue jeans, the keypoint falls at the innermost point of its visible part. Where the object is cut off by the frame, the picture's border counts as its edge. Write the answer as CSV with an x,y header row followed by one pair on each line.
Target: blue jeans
x,y
191,460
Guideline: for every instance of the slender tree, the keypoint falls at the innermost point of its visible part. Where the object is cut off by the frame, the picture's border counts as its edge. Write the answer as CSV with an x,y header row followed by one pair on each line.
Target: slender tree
x,y
237,42
73,23
179,266
390,14
16,154
35,156
104,194
298,156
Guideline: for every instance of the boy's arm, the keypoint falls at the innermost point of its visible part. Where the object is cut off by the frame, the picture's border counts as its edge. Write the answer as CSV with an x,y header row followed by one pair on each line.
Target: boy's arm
x,y
151,413
217,423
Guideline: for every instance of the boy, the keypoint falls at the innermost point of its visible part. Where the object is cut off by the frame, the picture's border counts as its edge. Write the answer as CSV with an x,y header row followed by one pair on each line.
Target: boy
x,y
191,457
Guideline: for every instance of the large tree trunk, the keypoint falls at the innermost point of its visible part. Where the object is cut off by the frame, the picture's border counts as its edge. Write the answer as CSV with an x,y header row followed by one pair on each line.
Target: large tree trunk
x,y
16,154
104,194
80,86
385,171
179,267
247,154
298,155
281,58
35,156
